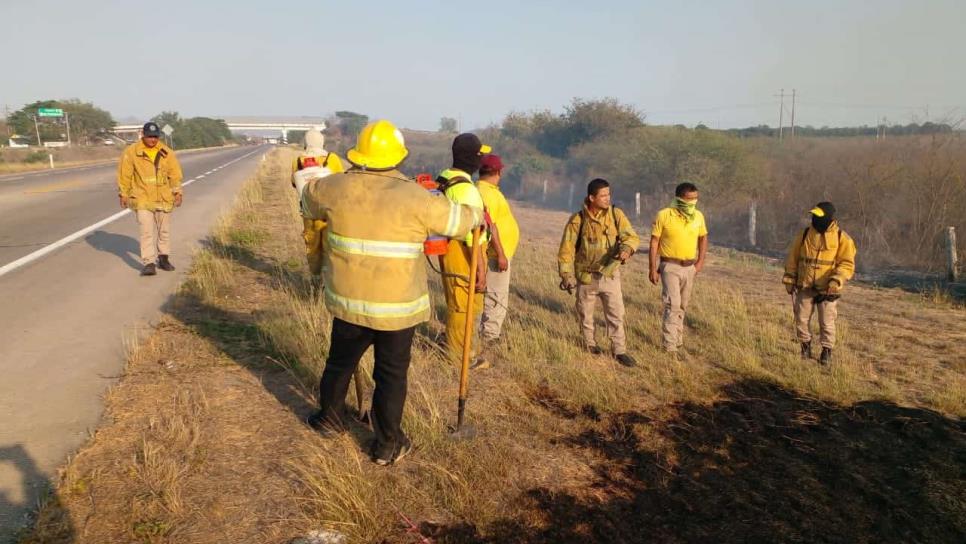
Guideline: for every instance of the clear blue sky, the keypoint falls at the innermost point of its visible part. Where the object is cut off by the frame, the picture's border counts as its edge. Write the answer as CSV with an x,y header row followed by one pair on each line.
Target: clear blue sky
x,y
719,62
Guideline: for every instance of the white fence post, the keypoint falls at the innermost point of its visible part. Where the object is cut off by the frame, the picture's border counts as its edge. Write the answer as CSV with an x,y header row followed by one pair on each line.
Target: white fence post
x,y
51,157
952,261
637,206
753,224
544,191
570,199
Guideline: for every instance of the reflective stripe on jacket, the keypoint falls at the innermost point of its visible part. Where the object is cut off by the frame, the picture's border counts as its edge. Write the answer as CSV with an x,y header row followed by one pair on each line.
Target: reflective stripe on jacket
x,y
458,186
149,185
815,259
372,263
598,237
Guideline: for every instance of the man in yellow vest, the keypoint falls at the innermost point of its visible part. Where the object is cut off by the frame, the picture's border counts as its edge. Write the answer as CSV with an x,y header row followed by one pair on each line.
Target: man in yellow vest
x,y
314,162
506,236
375,279
149,183
457,184
820,260
679,245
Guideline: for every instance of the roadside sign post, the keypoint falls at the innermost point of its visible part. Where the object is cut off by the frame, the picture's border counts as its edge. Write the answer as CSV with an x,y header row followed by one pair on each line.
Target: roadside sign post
x,y
37,128
51,112
168,130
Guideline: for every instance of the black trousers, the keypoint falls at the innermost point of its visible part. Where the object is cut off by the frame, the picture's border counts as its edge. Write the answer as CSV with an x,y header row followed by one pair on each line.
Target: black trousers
x,y
391,372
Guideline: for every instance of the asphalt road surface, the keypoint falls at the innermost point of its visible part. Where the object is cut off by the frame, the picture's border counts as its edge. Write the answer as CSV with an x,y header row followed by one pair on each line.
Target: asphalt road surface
x,y
71,296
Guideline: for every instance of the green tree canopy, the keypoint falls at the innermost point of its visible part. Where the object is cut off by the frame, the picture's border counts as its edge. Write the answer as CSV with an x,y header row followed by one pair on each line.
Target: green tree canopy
x,y
86,121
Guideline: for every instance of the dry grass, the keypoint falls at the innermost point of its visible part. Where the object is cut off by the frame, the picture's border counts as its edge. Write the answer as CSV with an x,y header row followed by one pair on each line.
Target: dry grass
x,y
203,441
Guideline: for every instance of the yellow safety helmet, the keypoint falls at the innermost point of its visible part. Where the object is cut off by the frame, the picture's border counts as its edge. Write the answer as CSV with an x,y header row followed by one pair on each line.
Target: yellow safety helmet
x,y
380,146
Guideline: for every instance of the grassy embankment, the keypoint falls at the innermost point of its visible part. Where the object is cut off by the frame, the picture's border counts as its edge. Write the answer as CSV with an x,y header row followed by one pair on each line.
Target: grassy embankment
x,y
741,441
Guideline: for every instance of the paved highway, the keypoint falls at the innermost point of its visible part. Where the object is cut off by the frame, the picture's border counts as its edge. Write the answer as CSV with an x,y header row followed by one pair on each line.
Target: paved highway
x,y
70,296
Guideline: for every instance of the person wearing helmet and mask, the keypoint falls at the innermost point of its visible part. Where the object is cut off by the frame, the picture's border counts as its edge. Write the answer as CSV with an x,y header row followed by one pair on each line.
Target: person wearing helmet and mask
x,y
457,184
314,162
375,279
820,260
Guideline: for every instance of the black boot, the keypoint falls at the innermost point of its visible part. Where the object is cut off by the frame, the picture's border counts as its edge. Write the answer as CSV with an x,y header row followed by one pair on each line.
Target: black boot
x,y
806,350
148,270
165,264
826,357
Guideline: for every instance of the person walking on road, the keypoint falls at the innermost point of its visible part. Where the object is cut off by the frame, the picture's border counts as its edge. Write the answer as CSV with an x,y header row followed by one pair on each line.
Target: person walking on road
x,y
149,183
596,242
375,280
820,260
679,245
506,236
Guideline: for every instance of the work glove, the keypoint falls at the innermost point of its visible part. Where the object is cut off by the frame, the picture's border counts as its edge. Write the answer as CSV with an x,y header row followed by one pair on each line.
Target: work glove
x,y
790,289
834,287
178,199
568,284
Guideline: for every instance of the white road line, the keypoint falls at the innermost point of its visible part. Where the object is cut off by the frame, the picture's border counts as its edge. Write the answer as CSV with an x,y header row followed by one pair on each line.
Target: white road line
x,y
10,267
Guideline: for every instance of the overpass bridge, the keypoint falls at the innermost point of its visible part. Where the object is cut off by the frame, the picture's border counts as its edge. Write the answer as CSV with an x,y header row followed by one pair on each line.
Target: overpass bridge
x,y
241,125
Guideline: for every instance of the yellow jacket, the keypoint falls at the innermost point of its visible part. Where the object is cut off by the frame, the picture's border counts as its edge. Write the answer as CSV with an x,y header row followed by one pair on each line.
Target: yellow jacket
x,y
597,236
149,185
373,266
817,260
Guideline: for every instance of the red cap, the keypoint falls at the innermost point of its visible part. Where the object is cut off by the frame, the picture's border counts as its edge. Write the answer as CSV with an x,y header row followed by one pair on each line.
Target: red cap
x,y
491,163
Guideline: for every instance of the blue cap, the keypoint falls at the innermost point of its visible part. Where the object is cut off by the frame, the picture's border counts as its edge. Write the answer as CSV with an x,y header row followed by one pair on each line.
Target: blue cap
x,y
151,129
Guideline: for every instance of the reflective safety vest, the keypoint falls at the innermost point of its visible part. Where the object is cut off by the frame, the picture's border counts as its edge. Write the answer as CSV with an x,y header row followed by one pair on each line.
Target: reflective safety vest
x,y
459,187
373,259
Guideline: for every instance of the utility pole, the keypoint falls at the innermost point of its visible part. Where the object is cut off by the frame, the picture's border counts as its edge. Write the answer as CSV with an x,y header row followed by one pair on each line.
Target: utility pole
x,y
37,128
781,113
67,120
793,113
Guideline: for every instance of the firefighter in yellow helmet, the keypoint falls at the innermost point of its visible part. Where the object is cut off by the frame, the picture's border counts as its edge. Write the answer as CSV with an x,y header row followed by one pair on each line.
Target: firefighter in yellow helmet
x,y
457,184
314,162
375,279
820,260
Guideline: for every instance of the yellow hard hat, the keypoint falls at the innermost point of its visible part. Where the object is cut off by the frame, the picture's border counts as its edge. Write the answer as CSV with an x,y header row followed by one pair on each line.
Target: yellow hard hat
x,y
380,146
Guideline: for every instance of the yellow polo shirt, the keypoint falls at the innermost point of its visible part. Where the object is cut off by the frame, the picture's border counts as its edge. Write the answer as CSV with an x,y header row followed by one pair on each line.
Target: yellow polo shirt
x,y
679,238
151,152
502,217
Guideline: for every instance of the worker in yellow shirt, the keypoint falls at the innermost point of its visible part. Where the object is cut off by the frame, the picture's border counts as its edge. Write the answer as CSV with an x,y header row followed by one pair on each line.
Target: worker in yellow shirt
x,y
505,237
313,162
457,184
679,245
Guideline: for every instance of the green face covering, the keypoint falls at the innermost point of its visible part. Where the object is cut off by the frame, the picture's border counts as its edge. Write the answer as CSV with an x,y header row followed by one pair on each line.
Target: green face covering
x,y
686,208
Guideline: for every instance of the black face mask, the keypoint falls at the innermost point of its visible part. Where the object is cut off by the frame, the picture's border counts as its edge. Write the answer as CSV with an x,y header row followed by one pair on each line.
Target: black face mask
x,y
468,162
821,224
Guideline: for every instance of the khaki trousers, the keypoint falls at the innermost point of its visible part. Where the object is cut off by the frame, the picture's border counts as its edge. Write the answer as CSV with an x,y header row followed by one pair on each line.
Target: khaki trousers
x,y
608,290
827,312
677,282
496,302
155,234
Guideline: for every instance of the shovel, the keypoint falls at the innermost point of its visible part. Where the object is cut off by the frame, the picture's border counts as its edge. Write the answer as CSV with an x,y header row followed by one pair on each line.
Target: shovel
x,y
461,431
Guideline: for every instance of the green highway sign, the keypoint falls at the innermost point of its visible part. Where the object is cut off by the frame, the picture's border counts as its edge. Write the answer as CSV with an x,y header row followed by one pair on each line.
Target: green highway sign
x,y
50,112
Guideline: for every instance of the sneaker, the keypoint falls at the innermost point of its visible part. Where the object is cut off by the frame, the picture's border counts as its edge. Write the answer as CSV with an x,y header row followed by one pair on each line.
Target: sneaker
x,y
149,270
806,350
826,357
322,426
394,456
594,350
625,360
165,264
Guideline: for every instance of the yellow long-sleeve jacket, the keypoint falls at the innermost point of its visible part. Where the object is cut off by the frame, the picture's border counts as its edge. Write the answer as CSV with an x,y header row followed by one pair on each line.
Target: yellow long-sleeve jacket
x,y
376,223
149,184
820,260
588,249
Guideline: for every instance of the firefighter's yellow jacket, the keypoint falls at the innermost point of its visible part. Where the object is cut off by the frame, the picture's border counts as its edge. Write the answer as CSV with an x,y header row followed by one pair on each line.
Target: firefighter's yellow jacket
x,y
149,184
312,229
590,242
820,260
376,223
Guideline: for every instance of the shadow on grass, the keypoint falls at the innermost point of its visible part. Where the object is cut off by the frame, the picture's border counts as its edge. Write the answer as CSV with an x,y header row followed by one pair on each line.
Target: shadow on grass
x,y
52,523
759,465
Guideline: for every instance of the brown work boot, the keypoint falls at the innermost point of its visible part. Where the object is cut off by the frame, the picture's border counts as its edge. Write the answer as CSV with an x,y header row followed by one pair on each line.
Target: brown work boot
x,y
149,270
165,264
806,350
826,357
